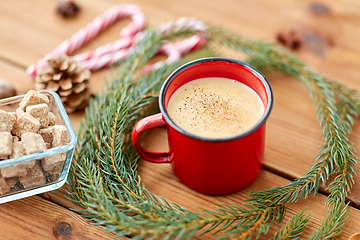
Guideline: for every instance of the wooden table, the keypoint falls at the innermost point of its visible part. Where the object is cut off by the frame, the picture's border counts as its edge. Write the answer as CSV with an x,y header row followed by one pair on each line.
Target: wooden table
x,y
330,43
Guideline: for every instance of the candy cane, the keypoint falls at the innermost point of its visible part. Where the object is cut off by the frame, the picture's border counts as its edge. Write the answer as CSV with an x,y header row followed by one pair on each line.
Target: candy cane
x,y
99,24
111,53
173,56
105,49
177,50
191,44
183,23
182,47
106,55
105,60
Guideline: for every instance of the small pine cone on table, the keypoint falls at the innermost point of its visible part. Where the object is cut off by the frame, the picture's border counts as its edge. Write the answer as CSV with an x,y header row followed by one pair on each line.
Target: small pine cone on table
x,y
66,77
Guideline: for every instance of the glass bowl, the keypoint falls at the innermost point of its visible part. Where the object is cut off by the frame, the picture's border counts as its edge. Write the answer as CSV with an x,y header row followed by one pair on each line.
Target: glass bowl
x,y
36,180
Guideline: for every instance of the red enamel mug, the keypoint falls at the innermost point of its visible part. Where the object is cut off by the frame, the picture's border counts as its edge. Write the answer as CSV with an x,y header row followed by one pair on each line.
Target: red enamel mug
x,y
210,165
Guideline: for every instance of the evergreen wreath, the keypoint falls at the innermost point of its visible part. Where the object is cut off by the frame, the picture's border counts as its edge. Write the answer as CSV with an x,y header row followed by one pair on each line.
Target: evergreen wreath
x,y
104,180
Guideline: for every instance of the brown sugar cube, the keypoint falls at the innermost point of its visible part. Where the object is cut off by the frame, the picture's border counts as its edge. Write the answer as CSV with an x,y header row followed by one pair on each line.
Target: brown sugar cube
x,y
13,171
52,177
6,144
19,111
18,148
32,98
47,134
11,181
34,177
25,123
7,121
28,164
53,164
12,114
52,119
4,187
60,136
15,139
17,169
40,112
33,142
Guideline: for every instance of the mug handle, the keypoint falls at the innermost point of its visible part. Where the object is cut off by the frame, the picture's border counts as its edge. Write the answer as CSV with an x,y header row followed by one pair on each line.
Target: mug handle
x,y
140,127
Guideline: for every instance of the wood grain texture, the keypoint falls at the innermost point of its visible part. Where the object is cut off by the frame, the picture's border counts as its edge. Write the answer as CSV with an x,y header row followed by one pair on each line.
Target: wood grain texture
x,y
330,37
161,181
36,218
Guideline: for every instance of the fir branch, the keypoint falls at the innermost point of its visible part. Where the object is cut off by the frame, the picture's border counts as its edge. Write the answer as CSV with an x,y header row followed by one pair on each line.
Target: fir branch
x,y
126,106
240,222
104,178
337,150
333,222
293,228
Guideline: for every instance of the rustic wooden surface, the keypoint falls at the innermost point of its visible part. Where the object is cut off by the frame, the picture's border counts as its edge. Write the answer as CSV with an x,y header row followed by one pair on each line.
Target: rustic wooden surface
x,y
330,33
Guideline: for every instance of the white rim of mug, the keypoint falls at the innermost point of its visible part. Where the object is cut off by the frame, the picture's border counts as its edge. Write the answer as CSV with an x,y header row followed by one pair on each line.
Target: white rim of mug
x,y
179,70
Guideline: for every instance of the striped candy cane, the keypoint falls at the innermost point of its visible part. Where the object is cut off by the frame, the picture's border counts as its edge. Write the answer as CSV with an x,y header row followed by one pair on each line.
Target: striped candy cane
x,y
183,47
177,50
119,50
105,60
107,54
173,55
92,29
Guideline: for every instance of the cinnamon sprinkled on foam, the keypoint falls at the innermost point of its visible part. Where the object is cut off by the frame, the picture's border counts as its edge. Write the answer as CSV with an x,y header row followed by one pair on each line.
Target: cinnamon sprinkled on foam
x,y
215,107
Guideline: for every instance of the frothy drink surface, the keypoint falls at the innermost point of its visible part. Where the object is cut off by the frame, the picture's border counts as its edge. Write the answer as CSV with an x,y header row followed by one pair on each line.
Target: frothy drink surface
x,y
215,107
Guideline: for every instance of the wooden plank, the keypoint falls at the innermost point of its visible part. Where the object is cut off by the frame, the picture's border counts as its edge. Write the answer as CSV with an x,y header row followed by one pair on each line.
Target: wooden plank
x,y
160,180
293,131
294,135
43,29
36,218
22,83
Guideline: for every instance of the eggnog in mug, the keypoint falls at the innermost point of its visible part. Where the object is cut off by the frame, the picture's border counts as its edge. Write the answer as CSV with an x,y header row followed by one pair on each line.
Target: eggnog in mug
x,y
215,107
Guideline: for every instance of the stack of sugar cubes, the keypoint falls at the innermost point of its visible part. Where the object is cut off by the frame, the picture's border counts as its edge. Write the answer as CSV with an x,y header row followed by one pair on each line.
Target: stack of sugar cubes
x,y
29,130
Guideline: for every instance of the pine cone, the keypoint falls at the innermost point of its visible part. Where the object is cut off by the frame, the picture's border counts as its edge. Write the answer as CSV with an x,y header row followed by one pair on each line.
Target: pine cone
x,y
67,9
65,76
